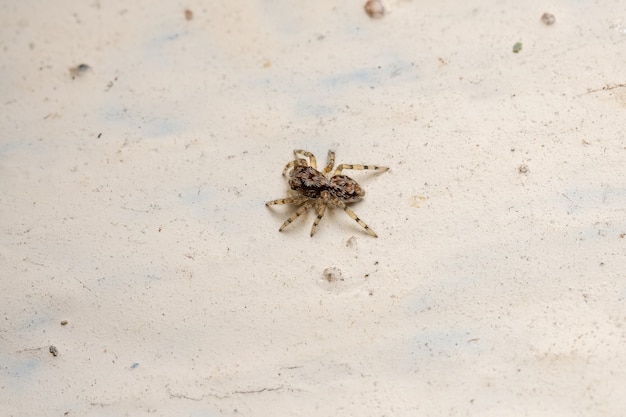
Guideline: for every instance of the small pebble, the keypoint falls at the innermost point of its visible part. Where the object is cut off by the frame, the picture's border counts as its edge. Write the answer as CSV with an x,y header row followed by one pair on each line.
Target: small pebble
x,y
374,9
548,18
54,351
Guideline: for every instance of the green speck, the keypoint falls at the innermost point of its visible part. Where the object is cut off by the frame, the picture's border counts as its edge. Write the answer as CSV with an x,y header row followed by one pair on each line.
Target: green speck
x,y
517,47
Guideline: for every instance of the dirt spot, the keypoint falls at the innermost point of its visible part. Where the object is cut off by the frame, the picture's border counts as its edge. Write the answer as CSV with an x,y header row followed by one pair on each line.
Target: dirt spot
x,y
374,9
79,70
332,274
548,19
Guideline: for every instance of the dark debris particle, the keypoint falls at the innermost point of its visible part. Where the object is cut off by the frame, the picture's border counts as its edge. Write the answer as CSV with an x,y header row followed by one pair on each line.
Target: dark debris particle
x,y
63,322
53,350
79,70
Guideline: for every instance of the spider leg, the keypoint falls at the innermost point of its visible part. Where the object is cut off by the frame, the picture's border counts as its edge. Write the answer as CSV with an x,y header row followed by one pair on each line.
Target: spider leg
x,y
312,160
294,198
292,164
295,215
320,206
331,162
358,167
353,216
288,200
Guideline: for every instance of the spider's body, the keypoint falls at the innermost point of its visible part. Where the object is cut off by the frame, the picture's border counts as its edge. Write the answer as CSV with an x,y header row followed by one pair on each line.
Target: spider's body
x,y
310,187
311,183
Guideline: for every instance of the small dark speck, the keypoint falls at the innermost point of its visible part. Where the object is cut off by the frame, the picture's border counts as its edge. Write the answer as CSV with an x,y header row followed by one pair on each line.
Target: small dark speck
x,y
63,322
54,351
79,70
134,365
99,135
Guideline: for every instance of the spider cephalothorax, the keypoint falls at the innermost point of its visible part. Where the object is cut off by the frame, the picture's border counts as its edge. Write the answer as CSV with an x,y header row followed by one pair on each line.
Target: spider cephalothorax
x,y
310,187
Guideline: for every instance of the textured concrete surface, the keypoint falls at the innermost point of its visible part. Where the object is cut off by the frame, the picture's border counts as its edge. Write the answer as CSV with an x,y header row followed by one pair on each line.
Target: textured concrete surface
x,y
135,244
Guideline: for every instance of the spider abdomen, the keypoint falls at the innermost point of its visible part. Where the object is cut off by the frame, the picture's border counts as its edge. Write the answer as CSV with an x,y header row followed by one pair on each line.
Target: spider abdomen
x,y
345,188
308,181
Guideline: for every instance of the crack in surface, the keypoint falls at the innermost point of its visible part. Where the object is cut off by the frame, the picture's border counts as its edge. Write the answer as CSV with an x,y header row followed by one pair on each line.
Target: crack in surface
x,y
237,392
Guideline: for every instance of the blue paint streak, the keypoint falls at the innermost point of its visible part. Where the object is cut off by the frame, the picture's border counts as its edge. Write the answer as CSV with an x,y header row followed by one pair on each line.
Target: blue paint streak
x,y
11,147
151,126
361,76
443,343
20,372
194,196
159,127
582,199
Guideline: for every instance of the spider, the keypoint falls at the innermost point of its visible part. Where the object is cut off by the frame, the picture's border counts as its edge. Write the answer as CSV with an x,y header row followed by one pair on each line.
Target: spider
x,y
313,188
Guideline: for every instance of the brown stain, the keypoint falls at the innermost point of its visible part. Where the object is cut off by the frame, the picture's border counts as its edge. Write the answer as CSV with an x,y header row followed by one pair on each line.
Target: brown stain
x,y
374,9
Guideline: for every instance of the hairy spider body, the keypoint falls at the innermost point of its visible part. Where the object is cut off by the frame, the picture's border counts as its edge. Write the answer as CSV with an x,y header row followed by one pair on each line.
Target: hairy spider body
x,y
308,181
313,188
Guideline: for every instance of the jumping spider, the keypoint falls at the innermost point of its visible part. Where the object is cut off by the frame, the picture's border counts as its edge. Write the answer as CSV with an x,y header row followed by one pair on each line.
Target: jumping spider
x,y
310,187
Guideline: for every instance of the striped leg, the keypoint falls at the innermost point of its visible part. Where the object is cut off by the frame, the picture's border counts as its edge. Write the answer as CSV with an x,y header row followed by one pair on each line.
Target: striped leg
x,y
358,167
320,206
288,200
294,198
297,214
312,160
290,165
354,217
331,162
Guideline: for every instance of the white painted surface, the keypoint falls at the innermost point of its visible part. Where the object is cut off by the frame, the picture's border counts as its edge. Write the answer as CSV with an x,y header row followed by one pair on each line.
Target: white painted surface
x,y
132,196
